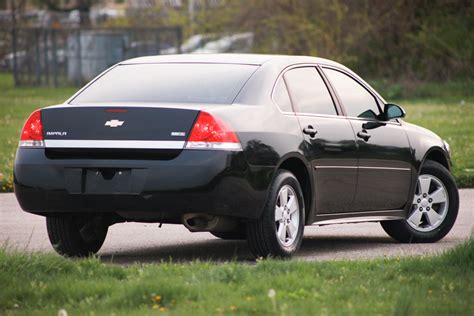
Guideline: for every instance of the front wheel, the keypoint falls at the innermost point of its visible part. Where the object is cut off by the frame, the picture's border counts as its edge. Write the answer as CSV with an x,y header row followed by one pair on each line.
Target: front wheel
x,y
434,208
279,231
74,236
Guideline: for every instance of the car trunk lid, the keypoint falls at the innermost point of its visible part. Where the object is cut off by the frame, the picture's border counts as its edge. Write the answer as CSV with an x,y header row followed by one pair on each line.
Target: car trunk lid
x,y
116,129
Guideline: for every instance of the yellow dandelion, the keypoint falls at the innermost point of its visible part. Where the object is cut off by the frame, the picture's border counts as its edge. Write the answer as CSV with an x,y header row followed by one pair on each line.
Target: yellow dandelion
x,y
162,309
157,298
233,308
155,306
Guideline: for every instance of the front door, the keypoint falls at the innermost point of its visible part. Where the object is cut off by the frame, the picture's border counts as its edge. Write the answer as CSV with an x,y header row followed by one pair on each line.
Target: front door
x,y
383,149
329,140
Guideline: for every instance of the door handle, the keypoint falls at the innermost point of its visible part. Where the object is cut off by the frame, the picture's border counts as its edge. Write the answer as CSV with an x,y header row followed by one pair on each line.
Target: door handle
x,y
364,135
309,130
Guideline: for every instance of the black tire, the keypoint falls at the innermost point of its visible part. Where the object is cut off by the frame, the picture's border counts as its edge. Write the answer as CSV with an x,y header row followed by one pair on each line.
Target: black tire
x,y
70,237
262,233
240,234
403,232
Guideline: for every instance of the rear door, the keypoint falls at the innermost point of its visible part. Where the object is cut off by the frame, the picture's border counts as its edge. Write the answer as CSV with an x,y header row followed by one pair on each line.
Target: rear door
x,y
384,151
329,139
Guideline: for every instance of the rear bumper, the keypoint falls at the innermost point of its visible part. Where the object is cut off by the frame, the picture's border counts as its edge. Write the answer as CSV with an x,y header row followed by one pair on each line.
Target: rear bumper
x,y
196,181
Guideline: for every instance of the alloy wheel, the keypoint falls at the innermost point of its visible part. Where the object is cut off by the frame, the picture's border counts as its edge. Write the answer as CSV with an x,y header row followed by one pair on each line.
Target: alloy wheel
x,y
430,204
287,216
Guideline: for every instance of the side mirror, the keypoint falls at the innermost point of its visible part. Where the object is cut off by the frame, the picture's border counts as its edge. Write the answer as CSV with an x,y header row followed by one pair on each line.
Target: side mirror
x,y
392,111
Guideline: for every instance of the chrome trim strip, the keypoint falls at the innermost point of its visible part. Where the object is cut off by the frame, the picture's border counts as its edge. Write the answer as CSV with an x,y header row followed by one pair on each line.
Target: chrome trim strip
x,y
214,146
319,115
361,167
372,120
118,144
376,218
385,168
336,167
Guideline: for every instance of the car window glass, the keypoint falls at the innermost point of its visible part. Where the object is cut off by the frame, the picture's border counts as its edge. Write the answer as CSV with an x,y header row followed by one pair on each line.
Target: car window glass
x,y
174,83
281,97
357,101
308,91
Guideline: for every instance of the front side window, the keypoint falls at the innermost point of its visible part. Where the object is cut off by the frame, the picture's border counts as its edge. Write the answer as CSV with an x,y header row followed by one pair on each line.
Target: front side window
x,y
281,97
308,91
170,83
357,101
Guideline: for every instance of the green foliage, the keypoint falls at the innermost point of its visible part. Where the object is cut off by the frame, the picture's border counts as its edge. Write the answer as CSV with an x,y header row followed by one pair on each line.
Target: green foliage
x,y
43,284
416,40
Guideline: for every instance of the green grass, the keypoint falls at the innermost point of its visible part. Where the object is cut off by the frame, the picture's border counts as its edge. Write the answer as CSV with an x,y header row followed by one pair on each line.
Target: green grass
x,y
447,109
33,284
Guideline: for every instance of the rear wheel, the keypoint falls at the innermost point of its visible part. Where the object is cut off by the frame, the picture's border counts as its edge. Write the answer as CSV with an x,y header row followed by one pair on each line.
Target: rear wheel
x,y
434,208
75,237
279,231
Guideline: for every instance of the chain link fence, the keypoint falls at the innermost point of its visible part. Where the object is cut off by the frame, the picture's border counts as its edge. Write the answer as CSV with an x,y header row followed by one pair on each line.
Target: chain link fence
x,y
58,57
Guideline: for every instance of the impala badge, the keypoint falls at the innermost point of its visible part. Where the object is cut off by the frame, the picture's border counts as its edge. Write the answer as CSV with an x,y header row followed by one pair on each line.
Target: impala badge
x,y
114,123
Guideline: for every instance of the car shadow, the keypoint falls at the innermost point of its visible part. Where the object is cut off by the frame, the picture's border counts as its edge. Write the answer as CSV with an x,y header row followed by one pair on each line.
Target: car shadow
x,y
216,250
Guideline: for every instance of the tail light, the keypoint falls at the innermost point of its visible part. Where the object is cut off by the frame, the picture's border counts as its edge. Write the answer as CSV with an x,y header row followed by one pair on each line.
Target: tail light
x,y
211,133
32,132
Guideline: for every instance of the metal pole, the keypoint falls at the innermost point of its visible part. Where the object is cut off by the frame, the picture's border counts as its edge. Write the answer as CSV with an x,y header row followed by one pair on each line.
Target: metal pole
x,y
46,55
191,13
79,58
158,42
179,32
37,60
55,58
14,43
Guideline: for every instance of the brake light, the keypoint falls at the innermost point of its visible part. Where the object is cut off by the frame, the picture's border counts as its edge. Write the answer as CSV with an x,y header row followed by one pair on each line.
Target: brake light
x,y
211,133
32,132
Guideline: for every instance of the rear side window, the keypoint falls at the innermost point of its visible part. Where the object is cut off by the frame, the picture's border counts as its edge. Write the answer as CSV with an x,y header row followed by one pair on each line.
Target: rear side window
x,y
357,101
173,83
309,92
281,97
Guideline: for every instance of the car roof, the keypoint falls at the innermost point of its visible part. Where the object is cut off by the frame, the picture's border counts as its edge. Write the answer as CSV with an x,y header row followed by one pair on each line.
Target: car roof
x,y
244,59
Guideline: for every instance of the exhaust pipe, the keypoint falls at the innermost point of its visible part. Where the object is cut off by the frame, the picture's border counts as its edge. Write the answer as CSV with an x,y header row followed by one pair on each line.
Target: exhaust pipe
x,y
205,223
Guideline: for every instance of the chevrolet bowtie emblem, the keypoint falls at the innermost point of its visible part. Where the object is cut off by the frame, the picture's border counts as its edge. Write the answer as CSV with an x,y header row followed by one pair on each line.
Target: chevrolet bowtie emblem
x,y
114,123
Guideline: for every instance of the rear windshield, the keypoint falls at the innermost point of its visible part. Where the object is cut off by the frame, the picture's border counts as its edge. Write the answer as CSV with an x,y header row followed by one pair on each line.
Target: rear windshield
x,y
174,83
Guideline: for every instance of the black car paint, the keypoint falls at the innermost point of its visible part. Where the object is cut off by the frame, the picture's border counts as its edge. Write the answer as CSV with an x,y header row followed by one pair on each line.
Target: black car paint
x,y
235,183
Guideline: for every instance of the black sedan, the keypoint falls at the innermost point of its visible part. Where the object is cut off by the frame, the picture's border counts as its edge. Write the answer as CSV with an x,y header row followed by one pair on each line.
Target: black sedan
x,y
244,146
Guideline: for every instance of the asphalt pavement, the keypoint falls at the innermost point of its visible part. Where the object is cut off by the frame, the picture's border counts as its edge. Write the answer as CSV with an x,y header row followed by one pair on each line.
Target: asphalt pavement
x,y
137,242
